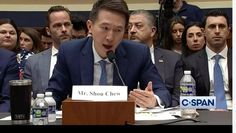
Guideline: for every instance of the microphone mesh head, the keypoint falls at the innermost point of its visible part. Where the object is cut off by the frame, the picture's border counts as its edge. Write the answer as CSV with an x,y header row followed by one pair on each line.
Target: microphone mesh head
x,y
111,56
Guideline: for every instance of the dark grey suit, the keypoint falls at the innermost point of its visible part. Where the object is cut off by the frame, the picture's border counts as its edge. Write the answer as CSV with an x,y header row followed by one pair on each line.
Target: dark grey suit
x,y
166,63
37,68
198,64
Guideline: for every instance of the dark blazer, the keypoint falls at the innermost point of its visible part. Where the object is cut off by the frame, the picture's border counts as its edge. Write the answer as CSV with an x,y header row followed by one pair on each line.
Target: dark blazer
x,y
198,64
8,71
167,64
75,64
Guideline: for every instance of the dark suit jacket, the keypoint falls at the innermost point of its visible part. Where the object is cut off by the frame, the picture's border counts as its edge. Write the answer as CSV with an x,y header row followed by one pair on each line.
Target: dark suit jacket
x,y
75,64
167,64
8,71
198,64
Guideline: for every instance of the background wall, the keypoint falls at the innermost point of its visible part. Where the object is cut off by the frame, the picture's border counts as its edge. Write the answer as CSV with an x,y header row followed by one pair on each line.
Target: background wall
x,y
28,13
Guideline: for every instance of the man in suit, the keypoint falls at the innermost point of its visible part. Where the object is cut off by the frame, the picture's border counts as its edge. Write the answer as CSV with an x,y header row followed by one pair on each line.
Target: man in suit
x,y
78,60
8,71
202,63
39,67
142,28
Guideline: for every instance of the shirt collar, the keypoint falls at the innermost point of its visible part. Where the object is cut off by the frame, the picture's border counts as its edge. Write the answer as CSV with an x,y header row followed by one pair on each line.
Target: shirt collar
x,y
54,51
211,54
97,58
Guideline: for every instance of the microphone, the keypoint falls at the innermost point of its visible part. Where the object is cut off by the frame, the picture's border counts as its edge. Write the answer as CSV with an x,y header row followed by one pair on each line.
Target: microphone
x,y
112,58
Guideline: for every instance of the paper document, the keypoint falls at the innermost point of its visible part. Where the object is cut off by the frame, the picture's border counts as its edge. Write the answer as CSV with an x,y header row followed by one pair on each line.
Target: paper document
x,y
156,113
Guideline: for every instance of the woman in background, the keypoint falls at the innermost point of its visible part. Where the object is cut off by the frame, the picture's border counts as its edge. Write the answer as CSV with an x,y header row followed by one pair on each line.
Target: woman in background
x,y
9,35
193,38
29,44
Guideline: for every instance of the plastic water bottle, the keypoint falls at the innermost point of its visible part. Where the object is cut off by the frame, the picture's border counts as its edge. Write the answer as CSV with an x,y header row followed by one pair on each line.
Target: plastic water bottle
x,y
40,111
188,88
32,102
51,107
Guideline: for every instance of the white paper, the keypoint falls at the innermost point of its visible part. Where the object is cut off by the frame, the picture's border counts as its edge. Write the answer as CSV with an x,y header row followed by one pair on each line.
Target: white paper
x,y
156,113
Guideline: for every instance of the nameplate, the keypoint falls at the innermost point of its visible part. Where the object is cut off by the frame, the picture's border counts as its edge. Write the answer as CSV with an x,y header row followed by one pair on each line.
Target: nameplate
x,y
198,102
100,93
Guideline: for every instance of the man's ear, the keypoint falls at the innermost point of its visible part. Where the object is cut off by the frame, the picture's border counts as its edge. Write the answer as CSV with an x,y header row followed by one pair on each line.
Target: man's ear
x,y
89,26
48,30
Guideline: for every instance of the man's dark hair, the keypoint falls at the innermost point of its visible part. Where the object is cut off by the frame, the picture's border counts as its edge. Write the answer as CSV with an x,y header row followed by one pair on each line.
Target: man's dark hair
x,y
215,13
119,6
79,23
56,9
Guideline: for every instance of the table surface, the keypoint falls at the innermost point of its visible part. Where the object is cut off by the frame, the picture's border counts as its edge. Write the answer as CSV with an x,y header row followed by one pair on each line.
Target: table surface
x,y
205,118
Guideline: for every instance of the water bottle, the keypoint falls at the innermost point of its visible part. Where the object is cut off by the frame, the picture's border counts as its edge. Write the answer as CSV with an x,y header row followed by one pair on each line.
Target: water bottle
x,y
187,88
51,107
32,102
40,111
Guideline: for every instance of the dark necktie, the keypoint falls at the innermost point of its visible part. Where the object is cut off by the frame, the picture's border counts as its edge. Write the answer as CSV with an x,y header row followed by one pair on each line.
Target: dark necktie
x,y
103,77
219,85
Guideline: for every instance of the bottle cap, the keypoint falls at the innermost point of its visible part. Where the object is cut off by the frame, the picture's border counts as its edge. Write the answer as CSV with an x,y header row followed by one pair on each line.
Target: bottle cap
x,y
187,72
40,95
48,93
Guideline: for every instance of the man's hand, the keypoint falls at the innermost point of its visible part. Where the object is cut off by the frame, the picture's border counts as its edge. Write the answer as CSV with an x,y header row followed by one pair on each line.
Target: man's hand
x,y
144,98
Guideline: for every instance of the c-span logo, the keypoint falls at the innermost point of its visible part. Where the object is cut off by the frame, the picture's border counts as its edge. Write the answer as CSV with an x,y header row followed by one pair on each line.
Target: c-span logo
x,y
198,102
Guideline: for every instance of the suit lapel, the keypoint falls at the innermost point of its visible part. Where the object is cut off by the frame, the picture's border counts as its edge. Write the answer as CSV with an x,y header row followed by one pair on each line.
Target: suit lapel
x,y
229,56
121,62
159,62
44,67
87,63
203,62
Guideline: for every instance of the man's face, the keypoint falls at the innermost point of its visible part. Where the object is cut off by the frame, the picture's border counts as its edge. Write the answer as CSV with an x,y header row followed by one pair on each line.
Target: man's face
x,y
46,42
216,32
60,27
140,29
107,31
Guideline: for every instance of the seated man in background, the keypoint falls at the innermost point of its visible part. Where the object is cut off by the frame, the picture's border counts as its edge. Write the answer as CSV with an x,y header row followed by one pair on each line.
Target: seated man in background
x,y
8,71
78,60
142,28
79,29
212,66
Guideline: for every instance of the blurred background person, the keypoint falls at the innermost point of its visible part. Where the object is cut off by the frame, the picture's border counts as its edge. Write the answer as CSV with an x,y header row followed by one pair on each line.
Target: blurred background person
x,y
9,36
173,40
8,71
79,29
214,61
29,44
193,38
30,40
188,12
46,39
142,28
39,67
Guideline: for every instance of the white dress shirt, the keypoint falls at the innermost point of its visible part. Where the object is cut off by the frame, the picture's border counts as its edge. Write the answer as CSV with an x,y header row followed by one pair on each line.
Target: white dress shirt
x,y
152,54
224,68
53,60
98,70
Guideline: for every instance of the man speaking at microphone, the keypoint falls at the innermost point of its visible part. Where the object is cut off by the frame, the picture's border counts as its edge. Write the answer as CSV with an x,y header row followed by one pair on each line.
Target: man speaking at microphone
x,y
79,62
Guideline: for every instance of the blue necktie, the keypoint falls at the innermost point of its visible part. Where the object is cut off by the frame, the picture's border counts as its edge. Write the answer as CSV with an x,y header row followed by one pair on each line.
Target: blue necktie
x,y
219,85
103,77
